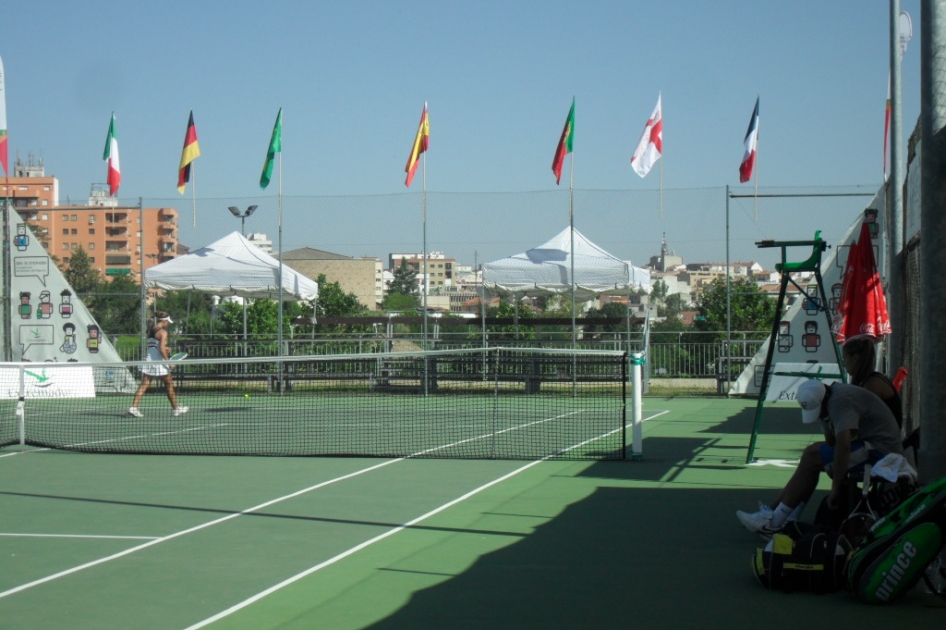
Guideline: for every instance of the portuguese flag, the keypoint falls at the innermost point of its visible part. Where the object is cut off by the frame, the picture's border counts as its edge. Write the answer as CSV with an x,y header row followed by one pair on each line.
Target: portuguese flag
x,y
565,144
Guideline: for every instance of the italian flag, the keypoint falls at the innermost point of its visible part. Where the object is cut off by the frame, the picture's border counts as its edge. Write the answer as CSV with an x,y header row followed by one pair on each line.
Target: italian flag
x,y
111,156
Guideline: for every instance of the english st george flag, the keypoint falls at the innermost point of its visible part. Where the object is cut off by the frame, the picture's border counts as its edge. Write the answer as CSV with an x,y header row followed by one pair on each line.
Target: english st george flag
x,y
650,146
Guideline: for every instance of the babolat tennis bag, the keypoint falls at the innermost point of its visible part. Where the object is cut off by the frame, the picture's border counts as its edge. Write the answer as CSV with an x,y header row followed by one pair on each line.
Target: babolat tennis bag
x,y
896,552
814,563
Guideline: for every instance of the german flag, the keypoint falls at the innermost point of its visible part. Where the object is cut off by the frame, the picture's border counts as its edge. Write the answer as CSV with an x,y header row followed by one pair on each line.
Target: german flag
x,y
190,153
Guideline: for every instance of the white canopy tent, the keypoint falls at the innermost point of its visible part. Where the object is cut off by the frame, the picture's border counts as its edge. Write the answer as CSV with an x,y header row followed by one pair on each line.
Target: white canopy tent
x,y
231,266
547,269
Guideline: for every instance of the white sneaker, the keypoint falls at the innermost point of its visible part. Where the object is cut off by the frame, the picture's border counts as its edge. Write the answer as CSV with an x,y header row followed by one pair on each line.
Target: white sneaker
x,y
180,411
134,411
758,522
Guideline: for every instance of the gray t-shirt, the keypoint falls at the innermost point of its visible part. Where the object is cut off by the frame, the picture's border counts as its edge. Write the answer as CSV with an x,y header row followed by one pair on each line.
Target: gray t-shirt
x,y
861,411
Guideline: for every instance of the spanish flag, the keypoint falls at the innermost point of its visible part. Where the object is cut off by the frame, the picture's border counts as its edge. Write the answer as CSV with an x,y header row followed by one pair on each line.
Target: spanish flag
x,y
190,153
421,143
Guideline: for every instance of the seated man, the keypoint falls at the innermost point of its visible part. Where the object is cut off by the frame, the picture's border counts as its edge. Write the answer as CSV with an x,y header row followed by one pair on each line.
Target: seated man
x,y
858,427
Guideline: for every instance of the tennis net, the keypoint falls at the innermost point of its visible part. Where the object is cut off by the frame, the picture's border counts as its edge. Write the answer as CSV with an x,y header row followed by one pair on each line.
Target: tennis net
x,y
480,403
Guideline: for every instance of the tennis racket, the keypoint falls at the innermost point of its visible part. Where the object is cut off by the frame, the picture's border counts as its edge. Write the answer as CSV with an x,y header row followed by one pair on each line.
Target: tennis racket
x,y
178,356
859,522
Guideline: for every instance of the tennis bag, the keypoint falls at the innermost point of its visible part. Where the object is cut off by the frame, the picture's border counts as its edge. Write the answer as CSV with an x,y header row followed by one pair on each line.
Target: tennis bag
x,y
899,547
814,563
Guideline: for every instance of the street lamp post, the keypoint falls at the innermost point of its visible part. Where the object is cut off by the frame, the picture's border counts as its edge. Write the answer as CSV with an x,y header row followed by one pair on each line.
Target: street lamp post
x,y
242,216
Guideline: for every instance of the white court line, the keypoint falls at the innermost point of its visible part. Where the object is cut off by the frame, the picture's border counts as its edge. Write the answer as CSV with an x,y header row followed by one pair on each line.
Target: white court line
x,y
162,539
122,439
295,578
156,541
356,549
16,535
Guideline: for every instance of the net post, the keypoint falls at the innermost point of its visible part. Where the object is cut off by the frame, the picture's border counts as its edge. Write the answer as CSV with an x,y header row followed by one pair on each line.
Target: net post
x,y
21,406
637,361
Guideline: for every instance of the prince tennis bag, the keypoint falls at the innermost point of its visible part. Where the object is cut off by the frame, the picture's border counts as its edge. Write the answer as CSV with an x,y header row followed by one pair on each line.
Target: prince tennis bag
x,y
814,563
899,547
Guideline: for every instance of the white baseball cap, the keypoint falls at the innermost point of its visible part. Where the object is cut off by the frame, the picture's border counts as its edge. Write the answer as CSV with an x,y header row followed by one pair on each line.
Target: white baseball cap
x,y
166,319
809,396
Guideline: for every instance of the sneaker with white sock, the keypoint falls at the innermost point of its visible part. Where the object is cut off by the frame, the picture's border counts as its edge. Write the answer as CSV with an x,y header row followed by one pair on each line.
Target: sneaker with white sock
x,y
134,411
181,410
759,522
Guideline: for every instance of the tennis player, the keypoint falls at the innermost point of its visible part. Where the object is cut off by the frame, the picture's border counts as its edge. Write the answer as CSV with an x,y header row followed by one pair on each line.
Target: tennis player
x,y
158,355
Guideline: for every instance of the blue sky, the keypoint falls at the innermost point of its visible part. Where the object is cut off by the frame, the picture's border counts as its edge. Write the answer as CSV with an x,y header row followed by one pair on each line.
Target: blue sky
x,y
499,77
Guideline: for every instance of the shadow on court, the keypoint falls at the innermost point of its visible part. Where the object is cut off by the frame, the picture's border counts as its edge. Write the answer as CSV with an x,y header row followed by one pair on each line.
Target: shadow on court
x,y
649,557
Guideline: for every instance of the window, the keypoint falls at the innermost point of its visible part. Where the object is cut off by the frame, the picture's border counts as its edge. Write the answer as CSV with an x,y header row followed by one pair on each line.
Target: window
x,y
65,217
45,217
91,231
45,245
66,259
92,259
75,217
65,245
91,219
46,188
75,246
45,202
91,245
65,231
75,231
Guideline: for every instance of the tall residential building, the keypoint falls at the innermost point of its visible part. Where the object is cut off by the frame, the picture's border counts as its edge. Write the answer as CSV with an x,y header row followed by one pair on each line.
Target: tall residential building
x,y
360,276
440,269
115,237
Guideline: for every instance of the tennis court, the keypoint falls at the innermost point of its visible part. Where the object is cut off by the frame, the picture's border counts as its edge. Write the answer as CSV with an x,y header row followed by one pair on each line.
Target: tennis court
x,y
171,541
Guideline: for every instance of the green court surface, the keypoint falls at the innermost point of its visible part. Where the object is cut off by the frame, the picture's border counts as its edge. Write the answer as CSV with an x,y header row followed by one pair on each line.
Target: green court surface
x,y
185,542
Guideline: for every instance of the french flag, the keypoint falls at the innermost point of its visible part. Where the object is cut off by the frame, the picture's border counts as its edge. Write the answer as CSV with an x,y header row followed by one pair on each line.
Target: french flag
x,y
752,145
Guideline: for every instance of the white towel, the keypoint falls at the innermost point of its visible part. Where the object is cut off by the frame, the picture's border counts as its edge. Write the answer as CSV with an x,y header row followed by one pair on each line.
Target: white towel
x,y
892,467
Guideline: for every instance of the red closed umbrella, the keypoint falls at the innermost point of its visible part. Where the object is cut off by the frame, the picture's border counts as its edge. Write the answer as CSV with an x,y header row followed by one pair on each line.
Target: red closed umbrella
x,y
862,309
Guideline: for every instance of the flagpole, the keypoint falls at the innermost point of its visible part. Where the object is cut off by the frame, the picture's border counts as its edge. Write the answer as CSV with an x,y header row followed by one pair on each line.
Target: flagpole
x,y
571,223
194,190
661,173
279,221
425,287
755,167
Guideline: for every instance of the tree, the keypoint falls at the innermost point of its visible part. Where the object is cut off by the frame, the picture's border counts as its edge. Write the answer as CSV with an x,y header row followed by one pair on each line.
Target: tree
x,y
399,302
610,310
81,275
404,281
190,310
334,302
117,307
752,310
674,305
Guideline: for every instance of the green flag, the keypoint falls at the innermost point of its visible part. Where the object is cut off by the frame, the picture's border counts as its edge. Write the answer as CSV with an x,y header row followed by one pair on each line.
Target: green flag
x,y
275,146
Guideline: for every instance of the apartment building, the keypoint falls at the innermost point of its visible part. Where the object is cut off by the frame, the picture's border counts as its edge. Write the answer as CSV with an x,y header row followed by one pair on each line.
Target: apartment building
x,y
118,239
362,277
440,269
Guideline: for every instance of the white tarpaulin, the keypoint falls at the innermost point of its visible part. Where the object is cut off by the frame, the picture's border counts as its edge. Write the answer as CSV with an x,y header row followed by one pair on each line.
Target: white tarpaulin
x,y
231,266
547,269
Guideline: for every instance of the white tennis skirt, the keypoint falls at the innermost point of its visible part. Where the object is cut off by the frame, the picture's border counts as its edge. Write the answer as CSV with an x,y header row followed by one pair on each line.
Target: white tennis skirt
x,y
158,365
